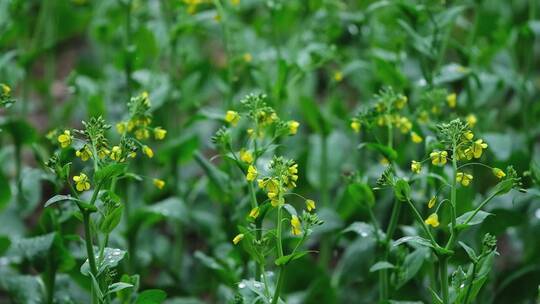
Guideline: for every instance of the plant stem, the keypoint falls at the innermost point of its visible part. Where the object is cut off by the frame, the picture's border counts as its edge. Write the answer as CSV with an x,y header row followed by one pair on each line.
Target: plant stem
x,y
469,284
89,246
396,210
279,285
443,271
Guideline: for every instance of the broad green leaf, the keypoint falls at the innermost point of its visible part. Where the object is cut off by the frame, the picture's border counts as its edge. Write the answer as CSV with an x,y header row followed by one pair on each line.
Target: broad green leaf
x,y
115,287
469,250
412,264
402,190
478,218
415,240
109,171
361,193
381,265
170,208
59,198
284,260
110,259
386,151
111,220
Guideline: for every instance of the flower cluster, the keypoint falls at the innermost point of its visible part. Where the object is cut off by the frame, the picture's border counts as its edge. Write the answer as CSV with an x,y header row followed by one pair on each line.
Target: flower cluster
x,y
91,142
140,119
456,143
386,111
264,120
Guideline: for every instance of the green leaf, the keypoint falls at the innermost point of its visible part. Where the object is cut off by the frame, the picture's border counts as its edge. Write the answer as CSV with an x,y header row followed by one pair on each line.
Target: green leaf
x,y
115,287
4,244
60,198
290,209
109,171
478,218
111,258
415,240
380,266
170,208
22,288
469,250
412,264
435,297
33,248
361,193
111,220
284,260
361,228
402,190
151,296
386,151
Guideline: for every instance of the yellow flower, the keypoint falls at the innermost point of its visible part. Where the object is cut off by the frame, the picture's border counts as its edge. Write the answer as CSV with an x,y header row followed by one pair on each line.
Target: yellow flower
x,y
296,226
121,127
471,120
451,100
384,161
401,101
254,213
477,148
355,125
132,154
116,153
246,156
416,138
498,173
416,167
5,89
251,173
438,157
235,2
232,117
81,182
293,127
148,151
250,132
84,153
247,57
468,135
432,220
159,183
103,152
338,76
159,133
310,205
435,110
404,124
238,238
142,133
65,139
432,202
464,178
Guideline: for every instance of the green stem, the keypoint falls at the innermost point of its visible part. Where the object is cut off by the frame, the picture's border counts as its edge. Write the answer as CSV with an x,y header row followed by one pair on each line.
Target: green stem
x,y
279,285
469,284
396,210
89,245
443,269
